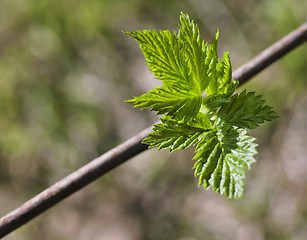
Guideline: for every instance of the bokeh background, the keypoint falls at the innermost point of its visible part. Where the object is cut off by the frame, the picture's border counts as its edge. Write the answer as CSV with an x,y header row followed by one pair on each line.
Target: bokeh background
x,y
66,69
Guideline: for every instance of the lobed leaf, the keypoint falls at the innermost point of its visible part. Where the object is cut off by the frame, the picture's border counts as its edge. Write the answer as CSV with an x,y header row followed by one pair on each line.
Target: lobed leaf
x,y
164,55
221,157
245,110
196,52
175,102
172,135
187,67
200,109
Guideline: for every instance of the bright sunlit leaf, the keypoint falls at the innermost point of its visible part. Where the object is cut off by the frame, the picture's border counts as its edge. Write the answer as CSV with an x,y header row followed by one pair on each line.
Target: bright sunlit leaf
x,y
199,106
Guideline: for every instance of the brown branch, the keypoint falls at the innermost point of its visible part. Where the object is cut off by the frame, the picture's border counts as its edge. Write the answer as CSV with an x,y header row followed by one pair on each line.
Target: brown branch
x,y
131,147
271,54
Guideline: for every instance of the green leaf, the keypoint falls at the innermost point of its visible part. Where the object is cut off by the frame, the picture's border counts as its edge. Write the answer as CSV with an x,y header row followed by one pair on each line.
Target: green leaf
x,y
165,57
172,135
221,85
186,66
221,157
178,103
245,110
195,50
199,108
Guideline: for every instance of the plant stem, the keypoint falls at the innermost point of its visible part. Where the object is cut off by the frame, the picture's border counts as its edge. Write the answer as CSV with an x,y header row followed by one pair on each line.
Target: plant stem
x,y
271,54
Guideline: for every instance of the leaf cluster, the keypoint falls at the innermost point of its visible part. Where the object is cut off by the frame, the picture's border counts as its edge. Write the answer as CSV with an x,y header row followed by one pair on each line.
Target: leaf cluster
x,y
199,106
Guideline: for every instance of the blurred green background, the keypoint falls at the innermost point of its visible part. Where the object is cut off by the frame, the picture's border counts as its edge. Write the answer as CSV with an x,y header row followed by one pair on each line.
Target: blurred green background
x,y
66,69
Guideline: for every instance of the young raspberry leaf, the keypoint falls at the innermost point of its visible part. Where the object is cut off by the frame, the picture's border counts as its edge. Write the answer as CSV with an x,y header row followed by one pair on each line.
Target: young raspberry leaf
x,y
169,134
221,158
245,110
185,65
179,103
200,109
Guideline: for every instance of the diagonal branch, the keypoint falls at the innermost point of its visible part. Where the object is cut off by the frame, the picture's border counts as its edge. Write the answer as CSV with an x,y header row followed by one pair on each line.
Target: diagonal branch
x,y
271,54
133,146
